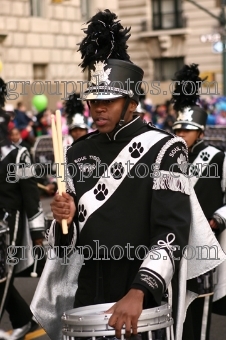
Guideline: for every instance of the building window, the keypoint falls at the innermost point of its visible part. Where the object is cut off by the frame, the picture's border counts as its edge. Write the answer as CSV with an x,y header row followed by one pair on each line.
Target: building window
x,y
40,71
37,8
165,68
167,14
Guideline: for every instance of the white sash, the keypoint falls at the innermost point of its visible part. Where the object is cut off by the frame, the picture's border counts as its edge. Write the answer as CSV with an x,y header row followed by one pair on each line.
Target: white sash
x,y
107,184
202,163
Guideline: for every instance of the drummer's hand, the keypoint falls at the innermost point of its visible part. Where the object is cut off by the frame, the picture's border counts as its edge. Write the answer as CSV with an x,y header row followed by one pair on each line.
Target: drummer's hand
x,y
63,208
213,224
126,312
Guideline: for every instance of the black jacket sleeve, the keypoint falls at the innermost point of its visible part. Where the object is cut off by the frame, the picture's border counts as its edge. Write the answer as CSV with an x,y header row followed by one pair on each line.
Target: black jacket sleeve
x,y
169,222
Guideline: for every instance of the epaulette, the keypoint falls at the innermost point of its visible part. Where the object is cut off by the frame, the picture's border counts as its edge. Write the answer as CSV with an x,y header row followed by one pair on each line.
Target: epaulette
x,y
168,144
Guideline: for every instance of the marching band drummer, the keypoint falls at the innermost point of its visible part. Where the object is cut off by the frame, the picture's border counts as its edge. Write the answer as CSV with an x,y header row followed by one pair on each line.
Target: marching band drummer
x,y
123,210
18,196
207,167
123,202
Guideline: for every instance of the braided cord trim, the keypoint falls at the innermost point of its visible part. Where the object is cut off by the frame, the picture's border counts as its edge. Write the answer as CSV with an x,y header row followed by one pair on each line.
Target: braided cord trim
x,y
166,147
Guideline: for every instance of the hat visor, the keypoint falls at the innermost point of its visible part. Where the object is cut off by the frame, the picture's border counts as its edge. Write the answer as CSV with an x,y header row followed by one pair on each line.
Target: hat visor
x,y
186,126
100,96
75,126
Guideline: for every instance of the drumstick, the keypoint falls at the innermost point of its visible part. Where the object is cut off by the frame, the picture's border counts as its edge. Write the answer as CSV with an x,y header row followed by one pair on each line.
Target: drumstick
x,y
60,146
61,153
57,161
34,273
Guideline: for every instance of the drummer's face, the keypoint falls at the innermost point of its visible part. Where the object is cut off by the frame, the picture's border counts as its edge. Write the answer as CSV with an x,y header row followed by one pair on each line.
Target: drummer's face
x,y
106,113
190,136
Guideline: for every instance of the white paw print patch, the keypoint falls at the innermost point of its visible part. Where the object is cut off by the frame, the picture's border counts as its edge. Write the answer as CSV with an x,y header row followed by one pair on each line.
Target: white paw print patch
x,y
205,156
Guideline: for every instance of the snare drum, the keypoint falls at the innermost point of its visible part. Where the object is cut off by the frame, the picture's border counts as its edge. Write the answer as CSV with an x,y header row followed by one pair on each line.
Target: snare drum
x,y
92,322
4,243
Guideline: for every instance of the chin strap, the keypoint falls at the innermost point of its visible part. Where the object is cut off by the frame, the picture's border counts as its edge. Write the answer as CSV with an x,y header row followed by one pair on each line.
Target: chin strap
x,y
122,120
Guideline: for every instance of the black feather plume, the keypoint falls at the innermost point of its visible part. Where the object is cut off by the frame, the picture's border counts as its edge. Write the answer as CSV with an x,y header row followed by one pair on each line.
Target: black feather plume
x,y
3,92
105,38
187,85
73,105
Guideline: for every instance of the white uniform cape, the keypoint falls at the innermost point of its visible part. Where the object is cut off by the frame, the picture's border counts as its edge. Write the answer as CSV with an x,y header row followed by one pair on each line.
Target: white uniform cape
x,y
56,289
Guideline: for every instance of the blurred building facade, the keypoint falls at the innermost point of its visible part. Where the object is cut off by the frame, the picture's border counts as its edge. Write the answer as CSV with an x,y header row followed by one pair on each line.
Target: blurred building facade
x,y
38,46
38,41
168,33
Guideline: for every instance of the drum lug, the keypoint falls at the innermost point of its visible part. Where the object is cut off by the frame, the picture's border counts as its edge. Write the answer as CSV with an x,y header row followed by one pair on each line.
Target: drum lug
x,y
5,216
65,329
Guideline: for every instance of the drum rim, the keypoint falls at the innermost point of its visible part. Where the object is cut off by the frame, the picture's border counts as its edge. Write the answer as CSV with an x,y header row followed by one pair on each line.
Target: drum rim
x,y
111,331
69,316
76,331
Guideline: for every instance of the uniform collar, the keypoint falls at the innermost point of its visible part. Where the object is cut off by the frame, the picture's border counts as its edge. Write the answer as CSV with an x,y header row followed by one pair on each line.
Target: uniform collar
x,y
127,129
18,143
197,147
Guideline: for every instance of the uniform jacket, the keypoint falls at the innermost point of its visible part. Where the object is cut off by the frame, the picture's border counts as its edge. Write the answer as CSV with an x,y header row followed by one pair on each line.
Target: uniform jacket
x,y
19,195
147,207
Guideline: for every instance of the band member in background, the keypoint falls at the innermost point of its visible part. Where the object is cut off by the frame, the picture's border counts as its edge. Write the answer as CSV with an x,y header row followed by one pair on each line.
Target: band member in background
x,y
21,212
15,137
207,165
77,125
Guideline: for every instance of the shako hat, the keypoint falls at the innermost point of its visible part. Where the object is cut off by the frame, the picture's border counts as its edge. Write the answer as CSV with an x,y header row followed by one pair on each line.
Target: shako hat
x,y
78,121
111,74
74,109
191,116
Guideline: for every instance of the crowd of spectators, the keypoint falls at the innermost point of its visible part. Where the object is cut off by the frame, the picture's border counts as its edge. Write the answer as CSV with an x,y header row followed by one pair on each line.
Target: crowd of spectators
x,y
24,127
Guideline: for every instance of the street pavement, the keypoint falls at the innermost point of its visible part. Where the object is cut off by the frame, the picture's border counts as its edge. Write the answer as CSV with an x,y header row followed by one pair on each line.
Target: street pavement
x,y
27,285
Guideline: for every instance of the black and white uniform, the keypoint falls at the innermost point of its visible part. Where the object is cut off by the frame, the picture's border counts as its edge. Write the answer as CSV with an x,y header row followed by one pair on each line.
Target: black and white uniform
x,y
208,183
126,205
207,165
19,198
